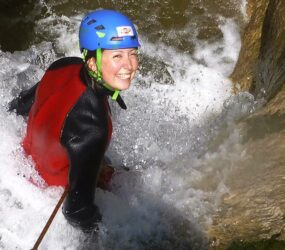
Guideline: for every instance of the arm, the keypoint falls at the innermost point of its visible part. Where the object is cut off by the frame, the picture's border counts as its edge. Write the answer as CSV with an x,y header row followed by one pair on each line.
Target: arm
x,y
85,137
23,103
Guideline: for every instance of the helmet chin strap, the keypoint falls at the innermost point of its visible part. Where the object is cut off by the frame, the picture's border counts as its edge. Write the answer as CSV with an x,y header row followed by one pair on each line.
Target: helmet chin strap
x,y
98,75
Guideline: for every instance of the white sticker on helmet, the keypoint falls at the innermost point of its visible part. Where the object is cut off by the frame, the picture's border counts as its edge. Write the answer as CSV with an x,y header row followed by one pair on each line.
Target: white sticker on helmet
x,y
125,31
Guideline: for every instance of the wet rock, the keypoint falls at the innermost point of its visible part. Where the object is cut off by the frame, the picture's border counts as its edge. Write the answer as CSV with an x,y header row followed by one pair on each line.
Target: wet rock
x,y
260,67
269,74
17,19
242,75
276,105
154,69
254,208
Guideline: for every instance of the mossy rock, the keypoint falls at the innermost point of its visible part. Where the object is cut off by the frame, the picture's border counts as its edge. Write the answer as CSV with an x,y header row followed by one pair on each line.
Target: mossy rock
x,y
258,245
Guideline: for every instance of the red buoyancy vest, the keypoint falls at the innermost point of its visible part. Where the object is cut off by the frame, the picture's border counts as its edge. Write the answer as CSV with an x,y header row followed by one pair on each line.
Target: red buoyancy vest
x,y
56,94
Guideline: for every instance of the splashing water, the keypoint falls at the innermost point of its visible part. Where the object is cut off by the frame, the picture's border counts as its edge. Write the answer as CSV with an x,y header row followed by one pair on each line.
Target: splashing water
x,y
166,199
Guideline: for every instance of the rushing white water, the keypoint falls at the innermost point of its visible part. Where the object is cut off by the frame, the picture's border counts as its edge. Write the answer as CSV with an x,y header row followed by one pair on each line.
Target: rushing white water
x,y
162,202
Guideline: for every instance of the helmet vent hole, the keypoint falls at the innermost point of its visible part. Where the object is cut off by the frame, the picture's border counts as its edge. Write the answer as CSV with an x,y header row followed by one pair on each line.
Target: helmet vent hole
x,y
115,38
100,27
91,22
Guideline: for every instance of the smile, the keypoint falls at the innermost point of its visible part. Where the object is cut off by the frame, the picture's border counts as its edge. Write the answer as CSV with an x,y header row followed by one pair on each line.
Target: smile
x,y
124,76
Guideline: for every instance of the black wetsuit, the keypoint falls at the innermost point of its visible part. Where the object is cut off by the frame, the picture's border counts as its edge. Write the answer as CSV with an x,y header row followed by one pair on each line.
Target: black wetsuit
x,y
85,134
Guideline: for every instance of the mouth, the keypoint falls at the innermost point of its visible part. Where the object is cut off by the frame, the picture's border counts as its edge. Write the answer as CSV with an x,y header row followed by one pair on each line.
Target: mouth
x,y
124,76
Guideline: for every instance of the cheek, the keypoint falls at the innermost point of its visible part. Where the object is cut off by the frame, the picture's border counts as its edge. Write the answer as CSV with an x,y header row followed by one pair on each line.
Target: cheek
x,y
109,68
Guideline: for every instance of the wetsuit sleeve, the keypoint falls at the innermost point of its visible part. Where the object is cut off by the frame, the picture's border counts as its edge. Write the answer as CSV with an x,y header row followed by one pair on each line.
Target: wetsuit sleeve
x,y
23,103
85,137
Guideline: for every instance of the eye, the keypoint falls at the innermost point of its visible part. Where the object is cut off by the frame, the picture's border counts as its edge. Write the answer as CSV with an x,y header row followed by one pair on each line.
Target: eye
x,y
134,53
117,56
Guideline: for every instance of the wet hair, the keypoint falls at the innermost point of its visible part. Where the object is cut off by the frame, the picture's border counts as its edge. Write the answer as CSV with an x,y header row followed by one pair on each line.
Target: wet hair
x,y
91,53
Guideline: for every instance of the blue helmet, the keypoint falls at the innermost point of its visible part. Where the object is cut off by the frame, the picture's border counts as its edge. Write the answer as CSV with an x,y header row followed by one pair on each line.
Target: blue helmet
x,y
107,29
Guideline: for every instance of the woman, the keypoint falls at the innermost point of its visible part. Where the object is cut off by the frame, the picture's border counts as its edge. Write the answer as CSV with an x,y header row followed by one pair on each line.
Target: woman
x,y
69,125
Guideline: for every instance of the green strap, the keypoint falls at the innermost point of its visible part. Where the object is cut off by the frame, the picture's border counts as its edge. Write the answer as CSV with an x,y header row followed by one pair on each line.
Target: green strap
x,y
98,75
99,63
84,54
115,95
116,91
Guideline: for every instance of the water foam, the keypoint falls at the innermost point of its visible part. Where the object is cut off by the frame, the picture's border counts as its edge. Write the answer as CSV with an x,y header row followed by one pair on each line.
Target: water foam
x,y
163,200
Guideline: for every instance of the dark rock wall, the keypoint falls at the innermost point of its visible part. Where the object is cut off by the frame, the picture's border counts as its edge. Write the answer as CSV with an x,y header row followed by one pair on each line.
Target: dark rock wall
x,y
261,65
250,50
269,75
254,208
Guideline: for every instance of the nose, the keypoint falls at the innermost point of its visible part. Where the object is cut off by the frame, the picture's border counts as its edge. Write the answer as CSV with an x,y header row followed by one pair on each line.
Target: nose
x,y
127,64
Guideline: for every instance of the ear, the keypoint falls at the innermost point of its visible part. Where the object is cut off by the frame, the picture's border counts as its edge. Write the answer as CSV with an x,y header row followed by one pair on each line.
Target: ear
x,y
91,63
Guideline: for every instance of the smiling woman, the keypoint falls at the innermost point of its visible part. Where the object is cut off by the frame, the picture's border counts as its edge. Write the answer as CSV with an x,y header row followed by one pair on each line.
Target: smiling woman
x,y
118,67
68,145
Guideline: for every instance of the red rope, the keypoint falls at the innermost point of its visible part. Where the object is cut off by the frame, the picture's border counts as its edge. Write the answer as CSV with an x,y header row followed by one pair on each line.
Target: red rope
x,y
45,229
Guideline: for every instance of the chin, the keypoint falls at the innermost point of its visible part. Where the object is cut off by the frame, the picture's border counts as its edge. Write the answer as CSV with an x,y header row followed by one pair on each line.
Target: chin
x,y
122,85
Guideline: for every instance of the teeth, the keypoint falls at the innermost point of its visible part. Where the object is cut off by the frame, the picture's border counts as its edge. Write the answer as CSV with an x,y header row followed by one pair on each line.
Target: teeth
x,y
124,76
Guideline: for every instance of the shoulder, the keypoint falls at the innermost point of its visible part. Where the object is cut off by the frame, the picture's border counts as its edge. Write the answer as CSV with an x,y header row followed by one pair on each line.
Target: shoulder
x,y
94,103
90,108
88,118
66,61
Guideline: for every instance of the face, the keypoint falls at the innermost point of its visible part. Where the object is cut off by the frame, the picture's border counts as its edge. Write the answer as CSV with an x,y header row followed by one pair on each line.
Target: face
x,y
119,67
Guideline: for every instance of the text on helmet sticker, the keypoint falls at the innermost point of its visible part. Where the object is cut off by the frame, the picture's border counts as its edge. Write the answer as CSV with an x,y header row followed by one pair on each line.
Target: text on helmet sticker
x,y
125,31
